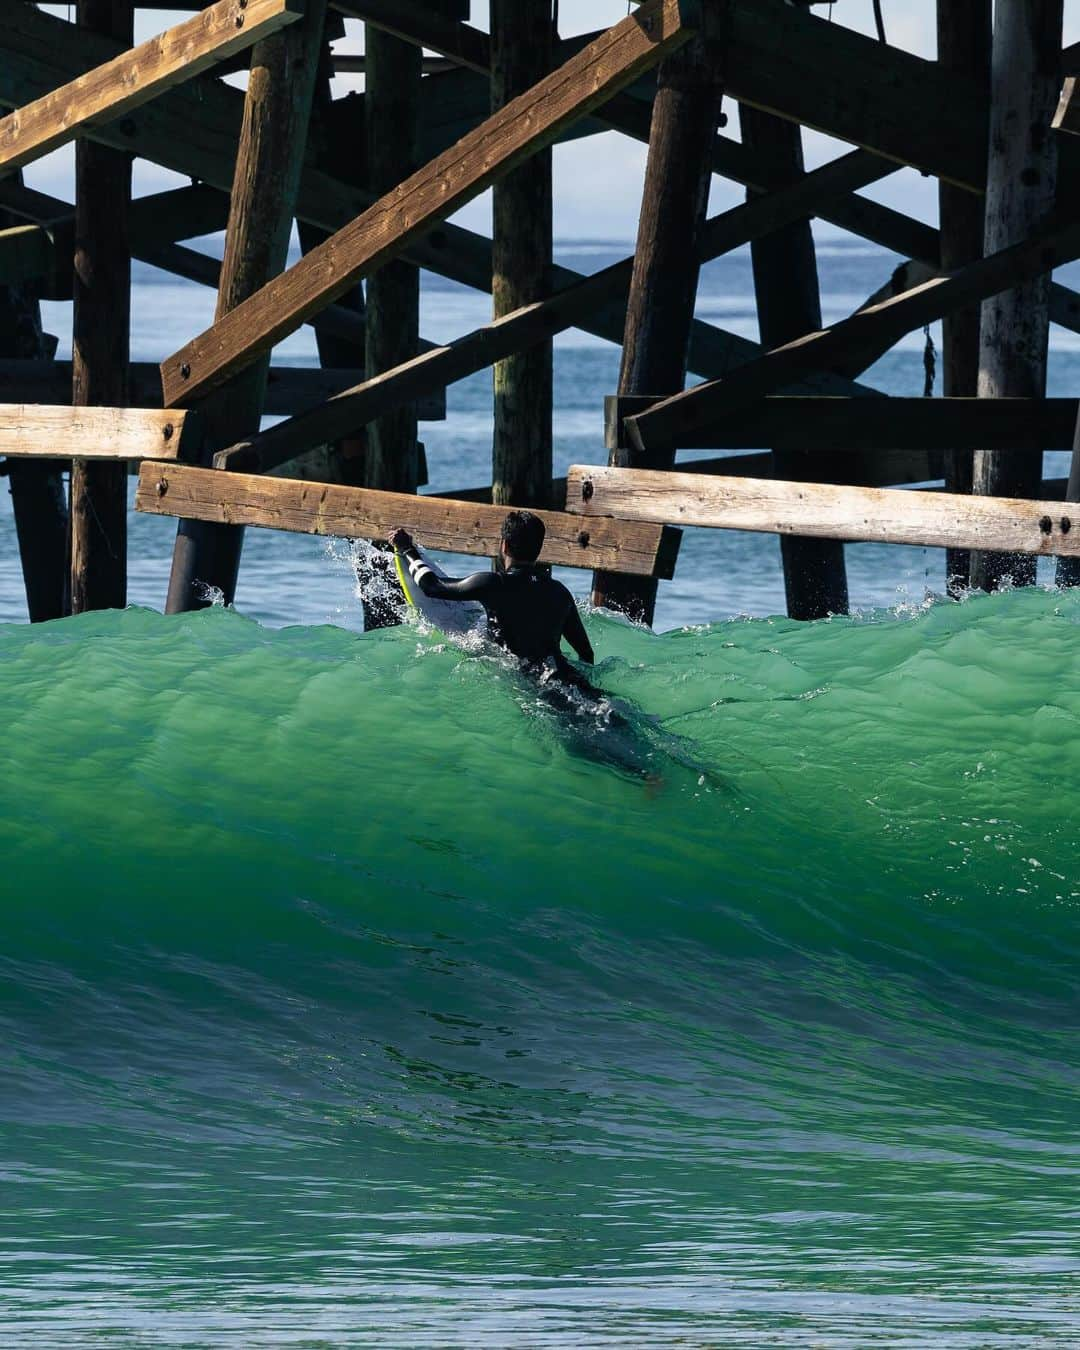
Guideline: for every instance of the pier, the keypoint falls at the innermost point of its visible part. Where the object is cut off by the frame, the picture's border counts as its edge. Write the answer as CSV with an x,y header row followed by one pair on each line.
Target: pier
x,y
811,452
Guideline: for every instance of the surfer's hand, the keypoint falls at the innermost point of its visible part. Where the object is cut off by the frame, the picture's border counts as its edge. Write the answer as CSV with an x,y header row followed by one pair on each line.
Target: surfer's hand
x,y
401,539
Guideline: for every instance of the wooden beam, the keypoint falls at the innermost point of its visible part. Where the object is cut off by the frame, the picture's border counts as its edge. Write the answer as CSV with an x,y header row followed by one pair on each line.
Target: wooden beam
x,y
784,263
100,342
367,513
290,389
113,89
266,179
36,430
964,29
853,424
689,414
1021,187
522,36
527,124
666,264
874,515
1067,117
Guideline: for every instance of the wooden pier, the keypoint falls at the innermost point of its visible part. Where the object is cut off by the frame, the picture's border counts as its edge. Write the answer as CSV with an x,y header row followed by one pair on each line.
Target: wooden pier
x,y
449,111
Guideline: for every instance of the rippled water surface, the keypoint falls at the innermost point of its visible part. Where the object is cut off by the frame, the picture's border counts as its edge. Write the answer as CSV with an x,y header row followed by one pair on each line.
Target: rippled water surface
x,y
349,996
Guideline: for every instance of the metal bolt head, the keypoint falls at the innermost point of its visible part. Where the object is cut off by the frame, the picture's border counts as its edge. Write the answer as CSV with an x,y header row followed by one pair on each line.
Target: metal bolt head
x,y
587,490
185,371
162,486
167,431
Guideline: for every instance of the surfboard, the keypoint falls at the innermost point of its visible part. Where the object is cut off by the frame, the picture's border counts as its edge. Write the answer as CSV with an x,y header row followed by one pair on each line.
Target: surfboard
x,y
454,617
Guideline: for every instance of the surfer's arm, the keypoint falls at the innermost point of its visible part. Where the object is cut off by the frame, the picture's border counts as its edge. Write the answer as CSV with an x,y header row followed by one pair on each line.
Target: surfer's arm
x,y
475,587
574,633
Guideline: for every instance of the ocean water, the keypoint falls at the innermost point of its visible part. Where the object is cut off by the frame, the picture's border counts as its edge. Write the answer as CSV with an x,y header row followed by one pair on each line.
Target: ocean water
x,y
351,995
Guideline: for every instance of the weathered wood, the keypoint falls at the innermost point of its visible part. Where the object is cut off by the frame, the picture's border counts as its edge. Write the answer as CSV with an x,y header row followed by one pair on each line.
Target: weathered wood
x,y
101,320
367,513
819,423
686,415
277,110
964,30
194,129
1068,569
526,125
522,34
663,285
289,389
788,305
38,497
1020,189
1067,117
37,430
875,515
393,290
115,88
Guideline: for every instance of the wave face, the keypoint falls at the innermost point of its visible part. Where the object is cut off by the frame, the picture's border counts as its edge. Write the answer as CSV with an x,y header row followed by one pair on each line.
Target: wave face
x,y
353,995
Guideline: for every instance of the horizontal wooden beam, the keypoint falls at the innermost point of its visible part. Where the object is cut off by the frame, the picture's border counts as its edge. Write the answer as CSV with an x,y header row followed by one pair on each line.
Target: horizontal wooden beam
x,y
289,390
875,515
365,513
139,75
1067,117
41,431
697,412
525,125
825,423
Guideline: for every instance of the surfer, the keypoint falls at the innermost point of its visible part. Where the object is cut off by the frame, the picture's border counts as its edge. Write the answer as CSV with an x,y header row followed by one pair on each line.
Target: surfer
x,y
528,611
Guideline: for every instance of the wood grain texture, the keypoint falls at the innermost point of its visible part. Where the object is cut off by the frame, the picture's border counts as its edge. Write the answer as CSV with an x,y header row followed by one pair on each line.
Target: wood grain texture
x,y
42,431
114,88
689,414
1067,117
367,513
878,424
875,515
427,197
1021,187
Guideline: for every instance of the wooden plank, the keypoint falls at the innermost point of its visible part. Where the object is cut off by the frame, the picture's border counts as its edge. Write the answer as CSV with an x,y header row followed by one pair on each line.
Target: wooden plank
x,y
522,37
689,414
852,424
113,89
37,431
1067,117
527,124
367,513
290,389
875,515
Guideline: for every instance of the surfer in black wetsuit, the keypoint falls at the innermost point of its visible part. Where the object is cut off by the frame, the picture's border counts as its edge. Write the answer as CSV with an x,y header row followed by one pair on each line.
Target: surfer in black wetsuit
x,y
529,613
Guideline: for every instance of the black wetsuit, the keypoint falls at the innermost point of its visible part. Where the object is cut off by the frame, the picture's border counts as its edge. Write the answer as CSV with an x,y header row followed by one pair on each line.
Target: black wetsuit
x,y
528,611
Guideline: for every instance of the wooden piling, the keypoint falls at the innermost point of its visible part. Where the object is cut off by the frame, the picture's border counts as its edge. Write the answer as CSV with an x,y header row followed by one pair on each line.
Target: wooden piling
x,y
964,34
522,36
789,305
1020,190
100,341
392,107
38,496
277,108
663,286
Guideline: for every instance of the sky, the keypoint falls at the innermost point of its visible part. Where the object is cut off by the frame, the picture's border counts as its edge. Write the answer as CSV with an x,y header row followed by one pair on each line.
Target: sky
x,y
598,179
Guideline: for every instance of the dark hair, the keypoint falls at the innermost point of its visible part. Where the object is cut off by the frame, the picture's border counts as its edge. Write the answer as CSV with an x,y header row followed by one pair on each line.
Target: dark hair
x,y
523,535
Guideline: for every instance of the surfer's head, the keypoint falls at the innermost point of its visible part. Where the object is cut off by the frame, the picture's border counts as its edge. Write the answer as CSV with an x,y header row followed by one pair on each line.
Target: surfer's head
x,y
522,537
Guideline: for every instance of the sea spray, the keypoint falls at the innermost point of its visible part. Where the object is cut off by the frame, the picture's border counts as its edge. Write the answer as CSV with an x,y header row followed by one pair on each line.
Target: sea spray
x,y
343,997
